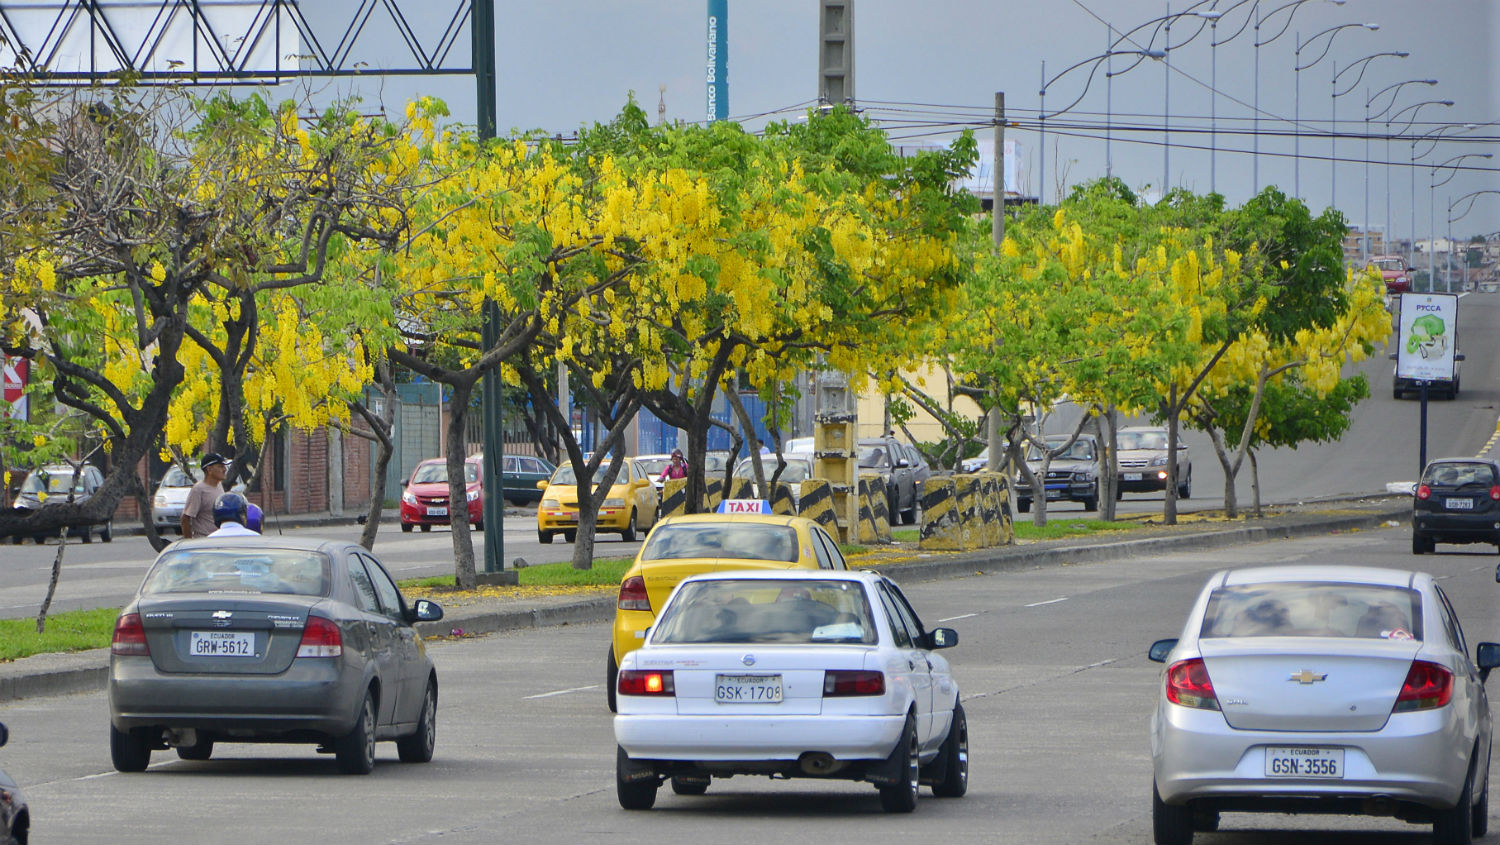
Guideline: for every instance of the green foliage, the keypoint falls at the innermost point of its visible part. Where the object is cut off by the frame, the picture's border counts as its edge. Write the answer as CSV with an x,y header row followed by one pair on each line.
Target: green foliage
x,y
74,630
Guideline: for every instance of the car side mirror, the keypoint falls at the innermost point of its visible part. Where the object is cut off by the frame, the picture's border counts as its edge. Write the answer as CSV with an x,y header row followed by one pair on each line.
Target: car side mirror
x,y
405,481
541,485
1486,656
1160,649
942,638
426,610
4,734
1392,356
1458,356
903,463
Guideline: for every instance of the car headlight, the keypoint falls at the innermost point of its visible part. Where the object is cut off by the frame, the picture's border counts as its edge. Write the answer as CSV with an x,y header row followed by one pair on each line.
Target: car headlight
x,y
549,503
1159,461
161,501
1084,475
472,495
409,497
614,503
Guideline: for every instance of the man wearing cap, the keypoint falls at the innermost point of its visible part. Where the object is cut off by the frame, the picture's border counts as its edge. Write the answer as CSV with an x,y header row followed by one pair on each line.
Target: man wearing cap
x,y
198,512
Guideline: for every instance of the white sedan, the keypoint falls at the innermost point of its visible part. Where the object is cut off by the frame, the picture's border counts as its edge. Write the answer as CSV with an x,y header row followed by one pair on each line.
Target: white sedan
x,y
1327,689
790,674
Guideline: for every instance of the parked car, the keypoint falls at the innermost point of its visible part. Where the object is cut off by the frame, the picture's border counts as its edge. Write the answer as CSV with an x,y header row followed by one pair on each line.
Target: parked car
x,y
519,475
708,542
1456,501
15,814
1394,272
978,463
1326,689
631,505
245,639
1072,476
920,470
798,469
51,485
887,456
171,496
1143,462
793,675
424,502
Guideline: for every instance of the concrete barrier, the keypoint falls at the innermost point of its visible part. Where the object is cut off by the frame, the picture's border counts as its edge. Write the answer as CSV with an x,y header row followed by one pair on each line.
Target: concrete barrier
x,y
816,503
713,493
782,500
971,532
989,508
674,496
873,485
942,530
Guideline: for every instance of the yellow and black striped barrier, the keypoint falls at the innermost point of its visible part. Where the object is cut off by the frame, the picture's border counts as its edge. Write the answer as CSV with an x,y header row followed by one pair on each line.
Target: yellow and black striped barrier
x,y
972,532
1007,527
743,488
713,489
942,529
782,501
880,508
989,508
864,531
816,504
674,496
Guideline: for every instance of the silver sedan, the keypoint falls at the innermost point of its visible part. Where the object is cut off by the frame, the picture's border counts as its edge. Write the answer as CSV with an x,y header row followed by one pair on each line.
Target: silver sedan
x,y
245,639
1325,689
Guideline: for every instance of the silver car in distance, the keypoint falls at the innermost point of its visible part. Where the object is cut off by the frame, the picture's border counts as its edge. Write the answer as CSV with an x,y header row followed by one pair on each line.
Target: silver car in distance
x,y
1321,689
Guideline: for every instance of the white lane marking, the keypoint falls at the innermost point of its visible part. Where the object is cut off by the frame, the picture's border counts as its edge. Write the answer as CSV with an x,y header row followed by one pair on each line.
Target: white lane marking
x,y
952,618
560,692
1049,601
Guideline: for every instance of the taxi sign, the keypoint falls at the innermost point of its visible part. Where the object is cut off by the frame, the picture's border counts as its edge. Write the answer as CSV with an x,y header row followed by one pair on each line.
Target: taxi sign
x,y
744,506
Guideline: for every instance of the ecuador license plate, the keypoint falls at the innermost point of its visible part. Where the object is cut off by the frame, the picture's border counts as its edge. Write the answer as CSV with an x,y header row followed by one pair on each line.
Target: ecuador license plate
x,y
747,689
221,644
1300,761
431,511
1459,504
1132,476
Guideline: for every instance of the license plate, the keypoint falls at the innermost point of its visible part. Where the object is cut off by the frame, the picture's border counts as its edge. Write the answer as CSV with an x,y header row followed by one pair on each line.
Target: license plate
x,y
1459,504
1054,494
1132,476
221,644
1298,761
747,689
431,511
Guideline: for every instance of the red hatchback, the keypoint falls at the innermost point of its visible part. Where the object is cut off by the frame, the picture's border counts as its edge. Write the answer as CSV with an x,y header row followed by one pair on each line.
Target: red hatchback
x,y
425,500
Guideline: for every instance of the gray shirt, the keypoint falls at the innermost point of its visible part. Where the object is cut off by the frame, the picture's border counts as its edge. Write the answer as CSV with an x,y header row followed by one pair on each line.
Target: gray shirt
x,y
199,508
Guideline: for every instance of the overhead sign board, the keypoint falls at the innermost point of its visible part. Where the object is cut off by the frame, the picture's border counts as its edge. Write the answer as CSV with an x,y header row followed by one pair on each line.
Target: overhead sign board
x,y
1428,336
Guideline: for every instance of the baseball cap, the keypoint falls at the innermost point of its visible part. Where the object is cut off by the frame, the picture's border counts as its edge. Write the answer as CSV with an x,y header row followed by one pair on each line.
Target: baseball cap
x,y
210,459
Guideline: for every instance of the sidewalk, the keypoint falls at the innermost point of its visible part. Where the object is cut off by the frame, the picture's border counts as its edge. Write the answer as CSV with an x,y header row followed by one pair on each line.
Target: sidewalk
x,y
56,674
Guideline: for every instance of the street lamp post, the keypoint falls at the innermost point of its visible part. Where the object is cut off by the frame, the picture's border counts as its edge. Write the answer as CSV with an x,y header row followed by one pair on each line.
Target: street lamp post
x,y
1255,106
1333,158
1452,218
1415,109
1166,118
1452,165
1369,100
1093,62
1213,88
1297,68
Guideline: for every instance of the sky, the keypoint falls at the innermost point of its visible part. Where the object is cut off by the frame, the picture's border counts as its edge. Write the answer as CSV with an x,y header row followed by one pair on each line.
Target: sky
x,y
925,69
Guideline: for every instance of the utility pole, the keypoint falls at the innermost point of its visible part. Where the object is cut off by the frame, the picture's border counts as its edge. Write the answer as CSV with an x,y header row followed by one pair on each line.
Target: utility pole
x,y
997,233
482,22
836,52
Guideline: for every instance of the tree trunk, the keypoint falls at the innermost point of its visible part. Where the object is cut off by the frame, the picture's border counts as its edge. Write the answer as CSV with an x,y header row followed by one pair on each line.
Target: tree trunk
x,y
1169,506
148,519
458,501
1255,484
1110,482
57,561
385,448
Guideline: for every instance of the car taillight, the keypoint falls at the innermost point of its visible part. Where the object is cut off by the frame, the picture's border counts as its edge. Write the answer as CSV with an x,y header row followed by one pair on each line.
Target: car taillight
x,y
321,638
1495,493
633,594
646,682
130,636
1188,685
1427,686
1424,492
841,682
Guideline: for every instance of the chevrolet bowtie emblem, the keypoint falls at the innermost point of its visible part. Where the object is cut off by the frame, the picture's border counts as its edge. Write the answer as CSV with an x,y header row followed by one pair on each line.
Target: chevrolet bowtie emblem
x,y
222,614
1307,677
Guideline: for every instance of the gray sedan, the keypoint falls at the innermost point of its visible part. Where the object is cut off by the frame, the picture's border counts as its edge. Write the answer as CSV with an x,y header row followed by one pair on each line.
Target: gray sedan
x,y
1326,689
247,639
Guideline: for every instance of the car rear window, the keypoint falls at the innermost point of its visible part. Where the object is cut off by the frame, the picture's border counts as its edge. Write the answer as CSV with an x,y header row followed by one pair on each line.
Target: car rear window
x,y
768,611
1314,609
1459,475
739,541
286,571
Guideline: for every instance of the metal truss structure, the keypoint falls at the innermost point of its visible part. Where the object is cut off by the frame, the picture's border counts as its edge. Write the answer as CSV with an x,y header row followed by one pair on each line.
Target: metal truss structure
x,y
231,41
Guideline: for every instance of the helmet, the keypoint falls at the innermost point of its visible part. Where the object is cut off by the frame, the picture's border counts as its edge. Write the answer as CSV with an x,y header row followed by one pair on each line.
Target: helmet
x,y
253,517
230,507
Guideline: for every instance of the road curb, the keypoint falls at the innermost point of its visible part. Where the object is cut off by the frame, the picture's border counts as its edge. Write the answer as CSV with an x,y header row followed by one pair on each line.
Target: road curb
x,y
87,671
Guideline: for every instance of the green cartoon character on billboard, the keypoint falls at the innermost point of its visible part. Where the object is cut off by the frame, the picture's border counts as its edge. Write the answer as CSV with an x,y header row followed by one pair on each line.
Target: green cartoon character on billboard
x,y
1428,336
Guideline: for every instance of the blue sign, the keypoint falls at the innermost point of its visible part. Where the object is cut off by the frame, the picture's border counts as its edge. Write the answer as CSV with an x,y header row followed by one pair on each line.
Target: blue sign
x,y
718,60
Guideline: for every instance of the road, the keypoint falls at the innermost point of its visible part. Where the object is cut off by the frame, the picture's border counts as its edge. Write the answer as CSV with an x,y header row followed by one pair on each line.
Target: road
x,y
1051,665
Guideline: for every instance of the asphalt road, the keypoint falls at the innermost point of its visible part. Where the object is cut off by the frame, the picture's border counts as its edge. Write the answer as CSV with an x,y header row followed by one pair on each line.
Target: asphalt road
x,y
1051,665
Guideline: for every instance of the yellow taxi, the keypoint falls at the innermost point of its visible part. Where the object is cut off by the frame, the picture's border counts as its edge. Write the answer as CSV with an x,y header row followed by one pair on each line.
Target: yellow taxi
x,y
631,504
708,542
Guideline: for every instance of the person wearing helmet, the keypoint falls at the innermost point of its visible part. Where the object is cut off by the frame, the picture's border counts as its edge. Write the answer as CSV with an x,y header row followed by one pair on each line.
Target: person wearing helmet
x,y
253,517
677,468
230,514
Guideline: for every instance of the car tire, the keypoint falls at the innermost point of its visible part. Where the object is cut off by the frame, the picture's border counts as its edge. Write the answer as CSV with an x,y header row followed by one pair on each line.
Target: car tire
x,y
478,526
1091,503
628,532
1170,825
406,527
426,528
1421,544
953,780
1395,393
200,750
611,679
355,750
108,533
1185,489
1023,505
130,751
88,534
570,536
690,786
901,797
633,794
1480,824
417,746
544,537
1456,826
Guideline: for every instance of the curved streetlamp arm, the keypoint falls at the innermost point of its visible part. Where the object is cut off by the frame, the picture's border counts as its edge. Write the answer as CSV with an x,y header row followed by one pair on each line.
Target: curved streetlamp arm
x,y
1204,19
1472,198
1243,24
1331,32
1418,109
1140,56
1435,137
1397,86
1453,171
1096,61
1158,21
1363,65
1294,5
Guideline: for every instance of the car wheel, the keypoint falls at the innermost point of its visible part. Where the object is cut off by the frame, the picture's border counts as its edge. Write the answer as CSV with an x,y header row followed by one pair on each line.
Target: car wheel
x,y
417,746
1395,393
611,678
1023,505
1480,825
544,537
478,526
108,533
690,785
1119,493
1185,489
88,533
1456,826
426,528
1170,825
628,533
634,792
130,751
200,750
570,536
406,527
355,750
1091,503
953,780
1419,543
1206,821
901,797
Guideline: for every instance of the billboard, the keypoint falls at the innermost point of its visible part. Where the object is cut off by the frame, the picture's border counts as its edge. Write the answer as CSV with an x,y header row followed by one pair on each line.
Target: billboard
x,y
13,388
1428,336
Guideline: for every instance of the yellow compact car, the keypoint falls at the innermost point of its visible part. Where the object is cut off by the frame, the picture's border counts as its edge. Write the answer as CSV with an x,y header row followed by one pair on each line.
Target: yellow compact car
x,y
708,542
632,503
